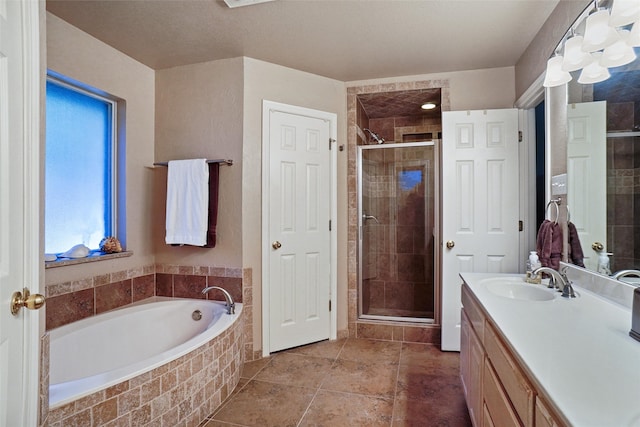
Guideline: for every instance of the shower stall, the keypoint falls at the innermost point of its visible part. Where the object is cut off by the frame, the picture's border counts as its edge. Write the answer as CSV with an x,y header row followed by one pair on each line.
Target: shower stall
x,y
397,231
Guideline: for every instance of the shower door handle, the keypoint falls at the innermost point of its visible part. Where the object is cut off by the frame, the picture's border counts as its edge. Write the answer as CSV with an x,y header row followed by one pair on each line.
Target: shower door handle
x,y
366,217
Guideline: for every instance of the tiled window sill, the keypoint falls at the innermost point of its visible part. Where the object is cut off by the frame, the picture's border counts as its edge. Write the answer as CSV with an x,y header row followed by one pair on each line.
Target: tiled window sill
x,y
92,257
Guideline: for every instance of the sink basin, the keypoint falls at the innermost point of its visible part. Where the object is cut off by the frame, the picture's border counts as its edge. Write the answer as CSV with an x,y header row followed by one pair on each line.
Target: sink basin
x,y
519,291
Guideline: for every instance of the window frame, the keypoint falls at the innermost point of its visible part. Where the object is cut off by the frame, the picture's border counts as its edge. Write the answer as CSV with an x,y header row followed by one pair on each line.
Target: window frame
x,y
116,193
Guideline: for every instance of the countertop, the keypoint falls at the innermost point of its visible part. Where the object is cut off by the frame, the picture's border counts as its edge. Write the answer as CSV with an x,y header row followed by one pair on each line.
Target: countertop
x,y
577,350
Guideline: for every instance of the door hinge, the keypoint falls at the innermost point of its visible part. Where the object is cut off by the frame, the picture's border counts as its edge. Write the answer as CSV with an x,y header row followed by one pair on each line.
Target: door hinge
x,y
329,305
520,225
519,136
329,225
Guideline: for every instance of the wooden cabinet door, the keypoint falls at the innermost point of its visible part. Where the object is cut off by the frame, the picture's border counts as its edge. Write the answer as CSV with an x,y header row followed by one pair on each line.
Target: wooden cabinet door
x,y
496,400
544,416
476,362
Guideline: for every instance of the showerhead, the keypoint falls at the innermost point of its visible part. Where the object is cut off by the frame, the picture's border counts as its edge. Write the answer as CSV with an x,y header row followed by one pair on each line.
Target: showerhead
x,y
377,138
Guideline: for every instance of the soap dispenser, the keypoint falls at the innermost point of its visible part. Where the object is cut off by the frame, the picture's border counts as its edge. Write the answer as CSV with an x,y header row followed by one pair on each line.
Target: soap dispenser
x,y
604,266
533,263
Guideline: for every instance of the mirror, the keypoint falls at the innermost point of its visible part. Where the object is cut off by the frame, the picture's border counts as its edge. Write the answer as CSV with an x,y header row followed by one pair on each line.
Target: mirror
x,y
604,176
603,164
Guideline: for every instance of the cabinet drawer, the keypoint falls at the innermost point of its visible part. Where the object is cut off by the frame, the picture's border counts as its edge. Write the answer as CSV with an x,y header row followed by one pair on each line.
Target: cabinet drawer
x,y
497,405
511,378
476,318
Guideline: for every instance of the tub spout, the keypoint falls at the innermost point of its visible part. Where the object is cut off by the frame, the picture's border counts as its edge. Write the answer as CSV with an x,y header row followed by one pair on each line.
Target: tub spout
x,y
231,306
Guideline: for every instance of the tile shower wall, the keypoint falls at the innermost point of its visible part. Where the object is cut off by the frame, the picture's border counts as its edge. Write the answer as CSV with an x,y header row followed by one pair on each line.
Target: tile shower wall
x,y
357,327
623,202
407,129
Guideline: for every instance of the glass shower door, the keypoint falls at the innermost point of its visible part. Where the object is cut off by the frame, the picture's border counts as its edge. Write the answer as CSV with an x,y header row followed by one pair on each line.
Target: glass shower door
x,y
396,231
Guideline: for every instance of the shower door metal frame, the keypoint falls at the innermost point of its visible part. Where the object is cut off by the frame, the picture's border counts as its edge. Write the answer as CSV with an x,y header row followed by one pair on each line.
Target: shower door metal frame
x,y
436,230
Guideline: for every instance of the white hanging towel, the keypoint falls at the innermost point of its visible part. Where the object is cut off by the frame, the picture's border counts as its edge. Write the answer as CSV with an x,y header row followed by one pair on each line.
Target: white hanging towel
x,y
187,202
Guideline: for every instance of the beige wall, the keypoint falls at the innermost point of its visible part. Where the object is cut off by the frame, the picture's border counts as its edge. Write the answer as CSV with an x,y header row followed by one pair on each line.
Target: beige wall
x,y
265,81
79,56
199,115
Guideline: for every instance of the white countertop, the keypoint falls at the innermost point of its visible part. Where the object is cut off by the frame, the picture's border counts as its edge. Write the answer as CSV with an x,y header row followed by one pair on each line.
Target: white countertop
x,y
578,350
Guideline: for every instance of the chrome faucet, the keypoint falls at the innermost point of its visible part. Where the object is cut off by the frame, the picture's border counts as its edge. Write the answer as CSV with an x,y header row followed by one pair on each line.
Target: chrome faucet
x,y
558,280
624,273
231,306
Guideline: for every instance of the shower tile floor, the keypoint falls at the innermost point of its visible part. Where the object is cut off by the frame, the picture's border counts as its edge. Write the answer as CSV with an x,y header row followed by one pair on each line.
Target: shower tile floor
x,y
351,382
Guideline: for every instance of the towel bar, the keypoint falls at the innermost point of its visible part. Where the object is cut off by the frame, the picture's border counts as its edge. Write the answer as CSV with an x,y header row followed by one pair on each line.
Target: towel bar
x,y
225,161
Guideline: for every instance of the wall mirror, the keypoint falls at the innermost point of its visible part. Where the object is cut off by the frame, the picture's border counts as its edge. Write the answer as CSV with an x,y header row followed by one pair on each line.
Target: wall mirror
x,y
603,137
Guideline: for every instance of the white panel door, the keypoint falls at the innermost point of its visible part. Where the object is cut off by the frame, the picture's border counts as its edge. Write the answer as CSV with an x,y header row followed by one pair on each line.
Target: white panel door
x,y
479,202
587,175
19,216
299,229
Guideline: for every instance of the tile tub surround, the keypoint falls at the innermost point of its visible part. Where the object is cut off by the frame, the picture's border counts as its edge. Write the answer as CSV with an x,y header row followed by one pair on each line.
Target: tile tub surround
x,y
75,300
181,393
395,331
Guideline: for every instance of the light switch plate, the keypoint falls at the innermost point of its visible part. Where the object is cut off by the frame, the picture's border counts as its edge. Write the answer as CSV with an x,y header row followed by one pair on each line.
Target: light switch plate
x,y
559,184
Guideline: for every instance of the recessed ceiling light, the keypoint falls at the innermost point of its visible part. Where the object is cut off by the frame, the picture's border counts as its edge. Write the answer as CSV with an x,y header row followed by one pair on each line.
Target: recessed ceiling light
x,y
238,3
428,106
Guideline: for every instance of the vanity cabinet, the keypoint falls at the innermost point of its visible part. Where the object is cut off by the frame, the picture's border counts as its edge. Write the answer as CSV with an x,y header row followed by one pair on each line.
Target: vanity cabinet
x,y
497,390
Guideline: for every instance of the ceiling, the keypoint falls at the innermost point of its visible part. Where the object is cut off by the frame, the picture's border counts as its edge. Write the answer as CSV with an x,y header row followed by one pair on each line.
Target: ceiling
x,y
400,103
347,40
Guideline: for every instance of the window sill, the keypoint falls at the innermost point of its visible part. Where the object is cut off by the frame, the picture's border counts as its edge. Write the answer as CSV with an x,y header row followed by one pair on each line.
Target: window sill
x,y
92,257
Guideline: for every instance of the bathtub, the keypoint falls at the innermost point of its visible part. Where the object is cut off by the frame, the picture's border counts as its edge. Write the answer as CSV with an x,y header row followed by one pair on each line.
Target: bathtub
x,y
106,350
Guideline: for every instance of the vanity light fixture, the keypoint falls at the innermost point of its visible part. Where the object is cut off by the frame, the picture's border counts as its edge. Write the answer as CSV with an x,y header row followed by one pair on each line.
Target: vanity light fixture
x,y
624,12
556,76
428,106
603,44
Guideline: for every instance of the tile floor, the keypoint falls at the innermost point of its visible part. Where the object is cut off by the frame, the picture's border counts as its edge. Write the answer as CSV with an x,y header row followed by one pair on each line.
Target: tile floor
x,y
351,382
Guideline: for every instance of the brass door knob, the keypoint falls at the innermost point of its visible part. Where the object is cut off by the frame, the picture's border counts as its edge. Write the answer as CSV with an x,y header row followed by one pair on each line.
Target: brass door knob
x,y
450,244
25,299
597,246
276,245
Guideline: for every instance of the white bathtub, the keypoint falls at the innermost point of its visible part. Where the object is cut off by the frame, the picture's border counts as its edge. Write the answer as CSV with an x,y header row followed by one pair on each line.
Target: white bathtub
x,y
107,349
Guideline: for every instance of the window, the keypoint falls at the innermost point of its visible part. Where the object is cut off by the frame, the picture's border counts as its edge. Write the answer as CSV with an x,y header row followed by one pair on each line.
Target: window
x,y
81,171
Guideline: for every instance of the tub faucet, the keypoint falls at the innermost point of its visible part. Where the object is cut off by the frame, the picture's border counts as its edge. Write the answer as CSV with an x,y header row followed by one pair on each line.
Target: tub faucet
x,y
231,306
558,280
